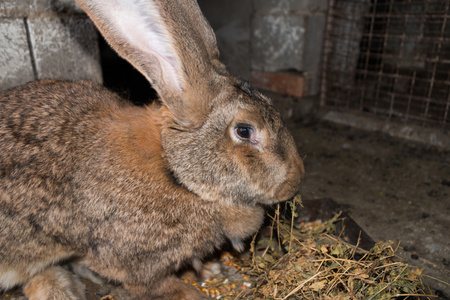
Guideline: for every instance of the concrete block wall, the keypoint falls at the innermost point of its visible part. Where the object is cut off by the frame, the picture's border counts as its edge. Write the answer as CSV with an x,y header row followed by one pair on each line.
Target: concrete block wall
x,y
288,35
46,39
262,39
259,40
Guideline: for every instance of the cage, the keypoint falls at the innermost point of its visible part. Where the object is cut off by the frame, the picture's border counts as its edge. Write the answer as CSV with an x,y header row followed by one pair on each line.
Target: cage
x,y
389,58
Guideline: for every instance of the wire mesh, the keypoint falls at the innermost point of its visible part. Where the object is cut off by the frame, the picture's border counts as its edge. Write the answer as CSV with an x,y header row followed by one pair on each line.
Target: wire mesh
x,y
389,58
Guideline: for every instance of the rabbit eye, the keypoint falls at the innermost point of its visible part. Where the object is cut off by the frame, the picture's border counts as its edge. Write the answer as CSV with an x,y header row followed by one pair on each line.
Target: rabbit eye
x,y
244,132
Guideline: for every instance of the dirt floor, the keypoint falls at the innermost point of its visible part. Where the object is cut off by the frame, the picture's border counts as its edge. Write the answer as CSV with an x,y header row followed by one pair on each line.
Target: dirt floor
x,y
395,190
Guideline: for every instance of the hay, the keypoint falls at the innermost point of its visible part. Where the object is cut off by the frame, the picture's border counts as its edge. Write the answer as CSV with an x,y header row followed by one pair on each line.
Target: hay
x,y
314,264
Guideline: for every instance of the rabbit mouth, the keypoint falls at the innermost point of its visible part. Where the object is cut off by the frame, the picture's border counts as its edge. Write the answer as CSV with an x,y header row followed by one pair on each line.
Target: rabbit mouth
x,y
287,191
290,187
280,193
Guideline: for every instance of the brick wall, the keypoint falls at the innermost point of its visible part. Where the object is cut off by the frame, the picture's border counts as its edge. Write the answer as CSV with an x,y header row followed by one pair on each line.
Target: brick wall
x,y
46,39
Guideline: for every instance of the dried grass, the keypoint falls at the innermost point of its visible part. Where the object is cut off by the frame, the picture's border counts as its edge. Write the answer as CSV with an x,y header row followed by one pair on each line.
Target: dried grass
x,y
314,264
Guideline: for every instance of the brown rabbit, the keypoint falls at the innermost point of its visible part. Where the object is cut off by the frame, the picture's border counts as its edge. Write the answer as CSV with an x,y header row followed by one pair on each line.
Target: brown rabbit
x,y
136,193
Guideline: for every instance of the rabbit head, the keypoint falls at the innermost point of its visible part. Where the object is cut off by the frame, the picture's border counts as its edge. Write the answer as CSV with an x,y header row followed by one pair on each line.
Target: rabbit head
x,y
222,140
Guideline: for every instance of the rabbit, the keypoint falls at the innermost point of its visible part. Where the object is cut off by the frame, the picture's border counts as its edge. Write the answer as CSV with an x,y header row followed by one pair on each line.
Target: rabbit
x,y
136,193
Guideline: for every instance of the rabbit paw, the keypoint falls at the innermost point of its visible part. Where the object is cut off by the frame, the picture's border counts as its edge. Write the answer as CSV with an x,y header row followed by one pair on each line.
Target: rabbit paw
x,y
238,245
54,283
170,289
86,273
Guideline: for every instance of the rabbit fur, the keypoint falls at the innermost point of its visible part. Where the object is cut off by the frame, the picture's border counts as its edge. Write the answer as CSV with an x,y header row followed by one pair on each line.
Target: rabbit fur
x,y
137,193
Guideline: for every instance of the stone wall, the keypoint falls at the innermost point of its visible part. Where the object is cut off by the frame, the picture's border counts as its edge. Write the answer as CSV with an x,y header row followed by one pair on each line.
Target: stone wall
x,y
46,39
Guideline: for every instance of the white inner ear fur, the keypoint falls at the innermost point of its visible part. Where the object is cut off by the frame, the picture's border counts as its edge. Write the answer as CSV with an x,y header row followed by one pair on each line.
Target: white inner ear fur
x,y
139,23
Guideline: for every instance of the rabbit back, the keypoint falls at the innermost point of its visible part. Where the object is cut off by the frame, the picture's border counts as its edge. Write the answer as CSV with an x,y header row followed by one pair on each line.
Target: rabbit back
x,y
41,129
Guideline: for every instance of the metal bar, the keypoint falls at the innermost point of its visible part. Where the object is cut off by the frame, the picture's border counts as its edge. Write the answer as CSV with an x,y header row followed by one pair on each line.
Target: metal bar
x,y
410,96
326,52
405,77
427,106
380,72
444,122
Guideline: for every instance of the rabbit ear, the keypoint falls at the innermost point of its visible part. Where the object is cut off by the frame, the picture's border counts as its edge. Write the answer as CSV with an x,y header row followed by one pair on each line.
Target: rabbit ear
x,y
170,42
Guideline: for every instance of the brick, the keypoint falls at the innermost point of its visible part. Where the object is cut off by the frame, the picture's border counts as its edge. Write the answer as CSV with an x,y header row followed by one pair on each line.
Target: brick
x,y
277,42
15,59
286,83
65,47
